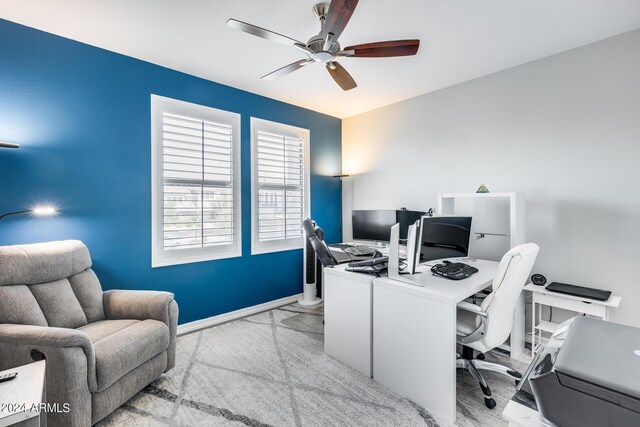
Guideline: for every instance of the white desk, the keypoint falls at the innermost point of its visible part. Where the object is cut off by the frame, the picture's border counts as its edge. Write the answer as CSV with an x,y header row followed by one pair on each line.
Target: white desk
x,y
348,298
541,296
414,335
21,394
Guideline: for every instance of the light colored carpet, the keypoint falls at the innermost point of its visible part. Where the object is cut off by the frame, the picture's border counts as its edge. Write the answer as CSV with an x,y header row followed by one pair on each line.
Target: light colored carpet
x,y
267,369
270,370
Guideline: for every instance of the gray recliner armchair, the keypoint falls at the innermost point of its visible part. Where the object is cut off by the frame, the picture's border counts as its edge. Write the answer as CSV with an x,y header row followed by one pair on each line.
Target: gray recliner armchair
x,y
101,347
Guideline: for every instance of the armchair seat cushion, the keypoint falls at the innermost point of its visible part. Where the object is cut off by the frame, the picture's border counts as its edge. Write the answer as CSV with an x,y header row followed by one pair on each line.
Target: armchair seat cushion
x,y
122,345
103,328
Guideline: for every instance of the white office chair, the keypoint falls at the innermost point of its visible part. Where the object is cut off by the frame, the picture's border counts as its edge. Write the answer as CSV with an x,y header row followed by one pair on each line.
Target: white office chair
x,y
487,326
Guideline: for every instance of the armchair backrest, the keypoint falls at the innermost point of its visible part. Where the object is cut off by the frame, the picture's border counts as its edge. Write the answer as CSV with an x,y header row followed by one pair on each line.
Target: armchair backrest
x,y
49,284
513,273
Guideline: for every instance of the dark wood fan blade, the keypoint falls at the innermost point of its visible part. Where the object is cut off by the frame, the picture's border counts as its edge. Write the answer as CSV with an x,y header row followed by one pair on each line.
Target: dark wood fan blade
x,y
338,17
341,76
286,69
261,32
385,49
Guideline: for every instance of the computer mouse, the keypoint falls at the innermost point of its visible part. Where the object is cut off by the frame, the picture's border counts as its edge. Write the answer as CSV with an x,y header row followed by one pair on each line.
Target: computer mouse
x,y
444,261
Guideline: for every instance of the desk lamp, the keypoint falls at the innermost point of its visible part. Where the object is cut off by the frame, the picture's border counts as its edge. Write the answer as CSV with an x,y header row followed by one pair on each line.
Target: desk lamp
x,y
38,211
8,145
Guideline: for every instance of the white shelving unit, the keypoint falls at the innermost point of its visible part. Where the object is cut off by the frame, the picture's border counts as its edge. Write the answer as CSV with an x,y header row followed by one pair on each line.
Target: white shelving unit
x,y
447,206
516,235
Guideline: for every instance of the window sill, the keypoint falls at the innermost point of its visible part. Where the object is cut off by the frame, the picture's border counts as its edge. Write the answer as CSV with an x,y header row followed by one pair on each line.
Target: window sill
x,y
267,250
166,262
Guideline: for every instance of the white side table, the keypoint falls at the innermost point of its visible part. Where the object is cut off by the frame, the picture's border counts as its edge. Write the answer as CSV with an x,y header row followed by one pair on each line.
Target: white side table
x,y
22,394
541,296
519,415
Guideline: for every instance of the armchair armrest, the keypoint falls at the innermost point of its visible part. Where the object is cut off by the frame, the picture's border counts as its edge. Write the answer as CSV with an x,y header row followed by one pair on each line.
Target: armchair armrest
x,y
140,305
57,344
467,306
478,333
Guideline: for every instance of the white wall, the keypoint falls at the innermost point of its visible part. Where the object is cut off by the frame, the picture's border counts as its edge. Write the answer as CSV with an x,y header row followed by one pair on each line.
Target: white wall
x,y
564,129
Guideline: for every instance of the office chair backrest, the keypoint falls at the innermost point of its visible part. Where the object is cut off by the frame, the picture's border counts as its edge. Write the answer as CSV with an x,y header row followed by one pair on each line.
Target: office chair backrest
x,y
513,273
315,235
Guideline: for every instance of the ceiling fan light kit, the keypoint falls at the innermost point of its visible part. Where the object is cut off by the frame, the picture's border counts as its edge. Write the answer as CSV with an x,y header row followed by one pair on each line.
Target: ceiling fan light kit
x,y
324,47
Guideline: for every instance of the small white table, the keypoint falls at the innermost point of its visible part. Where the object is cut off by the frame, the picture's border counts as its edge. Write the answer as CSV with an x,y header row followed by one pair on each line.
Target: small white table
x,y
20,398
541,296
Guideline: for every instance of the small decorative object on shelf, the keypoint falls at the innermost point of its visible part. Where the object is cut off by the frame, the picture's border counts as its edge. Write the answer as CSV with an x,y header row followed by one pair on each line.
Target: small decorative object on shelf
x,y
538,279
482,189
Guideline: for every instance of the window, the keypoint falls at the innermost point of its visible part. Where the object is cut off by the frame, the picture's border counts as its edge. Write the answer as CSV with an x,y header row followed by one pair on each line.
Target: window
x,y
279,186
195,183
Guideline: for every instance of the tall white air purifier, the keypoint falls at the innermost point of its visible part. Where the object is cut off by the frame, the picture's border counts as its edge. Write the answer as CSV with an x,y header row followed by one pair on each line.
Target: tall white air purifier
x,y
311,274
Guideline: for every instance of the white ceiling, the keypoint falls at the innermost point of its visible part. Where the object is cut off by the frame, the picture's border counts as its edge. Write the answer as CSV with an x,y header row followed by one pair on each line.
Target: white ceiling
x,y
460,40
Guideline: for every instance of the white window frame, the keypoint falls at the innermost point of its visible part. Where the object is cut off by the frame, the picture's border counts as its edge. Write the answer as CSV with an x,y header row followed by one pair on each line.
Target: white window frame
x,y
258,247
159,256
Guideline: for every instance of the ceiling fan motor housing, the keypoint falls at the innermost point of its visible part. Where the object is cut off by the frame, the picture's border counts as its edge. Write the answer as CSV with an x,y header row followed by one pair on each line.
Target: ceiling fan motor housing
x,y
316,44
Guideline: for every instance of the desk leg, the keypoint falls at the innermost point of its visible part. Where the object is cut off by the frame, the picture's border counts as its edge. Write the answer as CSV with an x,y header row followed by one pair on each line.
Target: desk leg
x,y
533,324
414,349
518,331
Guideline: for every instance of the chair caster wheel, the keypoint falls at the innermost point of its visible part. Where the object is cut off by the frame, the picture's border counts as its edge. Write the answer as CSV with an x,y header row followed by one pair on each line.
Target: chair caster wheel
x,y
490,403
480,356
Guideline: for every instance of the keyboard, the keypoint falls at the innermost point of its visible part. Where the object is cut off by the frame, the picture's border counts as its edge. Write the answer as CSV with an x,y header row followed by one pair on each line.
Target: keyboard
x,y
453,270
359,250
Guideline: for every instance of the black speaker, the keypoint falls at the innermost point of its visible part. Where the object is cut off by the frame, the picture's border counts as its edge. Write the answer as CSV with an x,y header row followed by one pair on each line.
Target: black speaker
x,y
538,279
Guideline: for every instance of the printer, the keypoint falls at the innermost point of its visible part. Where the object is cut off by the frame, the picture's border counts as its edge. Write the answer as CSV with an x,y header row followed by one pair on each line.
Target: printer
x,y
587,375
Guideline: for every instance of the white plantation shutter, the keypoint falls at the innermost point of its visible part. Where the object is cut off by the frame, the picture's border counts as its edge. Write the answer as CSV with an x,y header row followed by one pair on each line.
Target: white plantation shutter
x,y
197,183
280,184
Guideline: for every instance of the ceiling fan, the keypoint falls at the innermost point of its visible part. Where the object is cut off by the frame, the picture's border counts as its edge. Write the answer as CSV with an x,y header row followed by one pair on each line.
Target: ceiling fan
x,y
324,47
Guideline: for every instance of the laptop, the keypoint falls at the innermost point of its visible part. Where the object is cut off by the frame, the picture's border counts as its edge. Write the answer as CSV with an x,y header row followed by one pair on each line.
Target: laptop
x,y
340,255
579,291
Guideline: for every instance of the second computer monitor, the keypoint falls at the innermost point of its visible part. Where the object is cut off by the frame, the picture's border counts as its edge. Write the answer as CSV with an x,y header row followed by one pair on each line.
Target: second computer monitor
x,y
444,237
406,218
372,224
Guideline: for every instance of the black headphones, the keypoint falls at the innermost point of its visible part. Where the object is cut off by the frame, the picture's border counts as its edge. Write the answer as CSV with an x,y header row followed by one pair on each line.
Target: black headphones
x,y
538,279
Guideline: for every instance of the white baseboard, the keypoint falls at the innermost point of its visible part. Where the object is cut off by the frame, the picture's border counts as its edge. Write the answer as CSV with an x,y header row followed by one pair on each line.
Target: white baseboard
x,y
196,325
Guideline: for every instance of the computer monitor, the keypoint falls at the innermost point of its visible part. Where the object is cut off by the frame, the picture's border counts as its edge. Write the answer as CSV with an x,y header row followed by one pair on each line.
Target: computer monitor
x,y
444,237
406,218
372,224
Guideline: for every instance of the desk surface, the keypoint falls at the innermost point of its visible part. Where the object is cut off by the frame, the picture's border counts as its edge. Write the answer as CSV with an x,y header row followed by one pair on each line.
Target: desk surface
x,y
339,270
427,285
613,301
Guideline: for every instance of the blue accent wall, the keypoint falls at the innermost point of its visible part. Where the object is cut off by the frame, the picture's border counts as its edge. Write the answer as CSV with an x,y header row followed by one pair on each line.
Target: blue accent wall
x,y
82,117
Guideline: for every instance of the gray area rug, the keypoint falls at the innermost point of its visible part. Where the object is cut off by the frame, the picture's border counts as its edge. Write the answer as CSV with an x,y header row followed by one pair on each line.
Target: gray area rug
x,y
265,370
270,370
